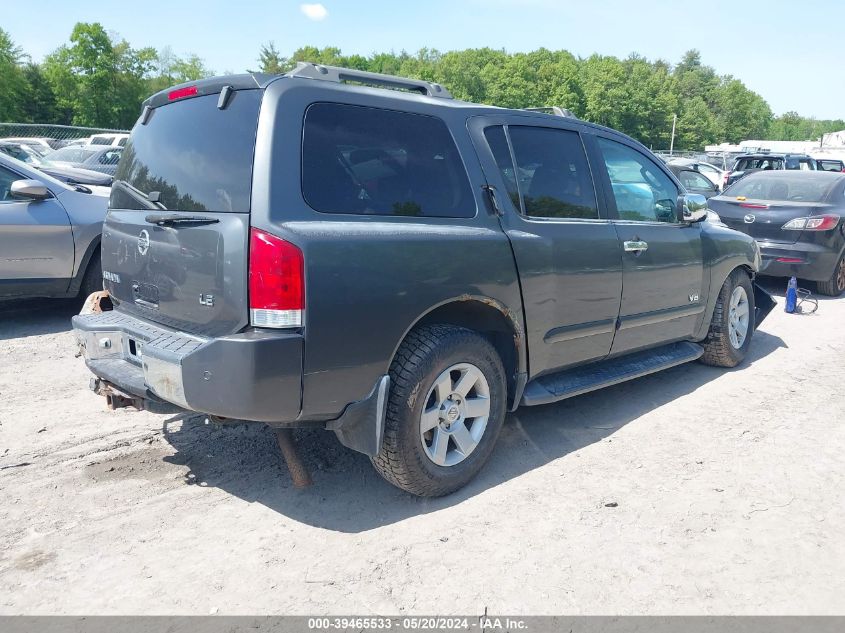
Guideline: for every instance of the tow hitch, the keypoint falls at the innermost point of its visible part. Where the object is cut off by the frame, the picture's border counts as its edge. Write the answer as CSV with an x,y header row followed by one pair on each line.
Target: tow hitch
x,y
115,398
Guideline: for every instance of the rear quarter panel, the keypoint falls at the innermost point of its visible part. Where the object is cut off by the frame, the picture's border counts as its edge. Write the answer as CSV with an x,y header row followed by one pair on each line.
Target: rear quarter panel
x,y
369,279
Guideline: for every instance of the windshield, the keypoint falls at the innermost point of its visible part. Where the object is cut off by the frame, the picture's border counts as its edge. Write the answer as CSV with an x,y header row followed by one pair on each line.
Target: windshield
x,y
191,156
783,188
72,155
23,153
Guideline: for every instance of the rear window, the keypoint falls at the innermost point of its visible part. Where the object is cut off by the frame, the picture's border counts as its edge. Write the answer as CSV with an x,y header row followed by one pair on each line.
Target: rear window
x,y
191,156
373,161
784,188
769,162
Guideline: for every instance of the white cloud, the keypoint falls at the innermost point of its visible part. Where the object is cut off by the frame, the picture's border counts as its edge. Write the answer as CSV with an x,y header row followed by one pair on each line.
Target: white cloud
x,y
314,12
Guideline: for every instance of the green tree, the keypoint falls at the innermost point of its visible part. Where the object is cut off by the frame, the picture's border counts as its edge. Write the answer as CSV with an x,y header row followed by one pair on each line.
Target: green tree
x,y
13,85
101,82
271,61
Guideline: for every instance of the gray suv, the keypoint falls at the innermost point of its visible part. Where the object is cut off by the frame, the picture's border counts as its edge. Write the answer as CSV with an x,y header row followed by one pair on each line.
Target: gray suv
x,y
365,254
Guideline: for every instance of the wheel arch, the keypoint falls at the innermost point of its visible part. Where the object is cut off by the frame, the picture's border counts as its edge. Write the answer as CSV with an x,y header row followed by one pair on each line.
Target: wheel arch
x,y
490,317
93,248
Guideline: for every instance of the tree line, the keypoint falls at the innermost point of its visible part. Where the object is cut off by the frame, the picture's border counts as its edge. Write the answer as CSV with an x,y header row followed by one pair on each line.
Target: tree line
x,y
99,80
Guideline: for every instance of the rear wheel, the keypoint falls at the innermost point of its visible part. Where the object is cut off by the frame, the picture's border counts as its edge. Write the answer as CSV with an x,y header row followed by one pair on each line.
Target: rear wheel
x,y
446,408
732,325
834,286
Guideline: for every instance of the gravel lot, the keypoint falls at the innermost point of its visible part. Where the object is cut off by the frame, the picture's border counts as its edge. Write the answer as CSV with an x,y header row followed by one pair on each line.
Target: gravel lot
x,y
693,491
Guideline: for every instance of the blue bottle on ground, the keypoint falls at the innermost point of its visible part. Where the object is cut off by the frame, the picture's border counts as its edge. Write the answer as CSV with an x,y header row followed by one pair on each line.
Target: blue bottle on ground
x,y
791,295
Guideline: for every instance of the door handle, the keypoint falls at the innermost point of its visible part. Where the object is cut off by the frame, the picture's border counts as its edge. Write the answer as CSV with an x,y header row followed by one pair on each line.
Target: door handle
x,y
636,246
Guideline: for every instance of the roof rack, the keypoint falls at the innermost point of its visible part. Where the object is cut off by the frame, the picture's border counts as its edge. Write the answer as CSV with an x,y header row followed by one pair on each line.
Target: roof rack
x,y
340,75
554,110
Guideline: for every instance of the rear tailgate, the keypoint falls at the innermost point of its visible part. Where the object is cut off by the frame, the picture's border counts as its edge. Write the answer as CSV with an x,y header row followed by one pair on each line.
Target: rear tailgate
x,y
176,237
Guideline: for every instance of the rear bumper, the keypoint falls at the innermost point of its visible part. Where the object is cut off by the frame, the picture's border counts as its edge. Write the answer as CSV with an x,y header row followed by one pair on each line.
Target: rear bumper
x,y
815,261
255,375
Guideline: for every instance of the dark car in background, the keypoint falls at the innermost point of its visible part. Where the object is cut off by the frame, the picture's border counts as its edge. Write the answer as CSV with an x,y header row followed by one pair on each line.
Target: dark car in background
x,y
693,180
797,219
746,164
830,164
102,158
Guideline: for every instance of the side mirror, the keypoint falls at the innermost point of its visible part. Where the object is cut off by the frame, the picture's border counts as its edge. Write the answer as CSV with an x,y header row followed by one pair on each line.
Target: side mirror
x,y
31,189
693,207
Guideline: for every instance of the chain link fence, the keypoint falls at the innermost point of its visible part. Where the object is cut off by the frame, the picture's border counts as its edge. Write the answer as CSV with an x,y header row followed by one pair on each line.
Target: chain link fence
x,y
722,160
43,135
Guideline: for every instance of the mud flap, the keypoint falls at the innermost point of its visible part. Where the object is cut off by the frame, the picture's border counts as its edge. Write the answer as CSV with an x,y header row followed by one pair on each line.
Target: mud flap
x,y
361,427
763,304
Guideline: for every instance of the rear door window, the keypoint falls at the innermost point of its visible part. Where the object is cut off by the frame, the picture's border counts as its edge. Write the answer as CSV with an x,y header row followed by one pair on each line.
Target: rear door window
x,y
191,156
552,173
364,160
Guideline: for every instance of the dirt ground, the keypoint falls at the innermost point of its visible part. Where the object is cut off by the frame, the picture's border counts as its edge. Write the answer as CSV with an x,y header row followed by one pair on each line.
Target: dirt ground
x,y
695,491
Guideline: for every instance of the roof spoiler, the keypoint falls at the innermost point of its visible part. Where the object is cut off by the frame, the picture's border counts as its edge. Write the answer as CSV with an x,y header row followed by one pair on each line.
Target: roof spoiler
x,y
212,85
340,75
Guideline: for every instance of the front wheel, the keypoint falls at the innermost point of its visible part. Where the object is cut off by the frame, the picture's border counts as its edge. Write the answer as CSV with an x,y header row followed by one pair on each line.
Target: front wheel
x,y
446,407
733,324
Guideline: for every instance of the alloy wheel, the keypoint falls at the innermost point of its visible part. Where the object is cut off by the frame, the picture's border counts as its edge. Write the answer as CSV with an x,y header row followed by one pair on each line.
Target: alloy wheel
x,y
455,414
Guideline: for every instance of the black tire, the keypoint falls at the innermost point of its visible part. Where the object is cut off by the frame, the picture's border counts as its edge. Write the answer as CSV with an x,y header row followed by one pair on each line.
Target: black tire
x,y
834,286
426,354
93,279
719,351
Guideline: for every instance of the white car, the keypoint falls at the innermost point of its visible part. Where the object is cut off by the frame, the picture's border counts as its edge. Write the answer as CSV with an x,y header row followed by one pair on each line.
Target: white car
x,y
39,144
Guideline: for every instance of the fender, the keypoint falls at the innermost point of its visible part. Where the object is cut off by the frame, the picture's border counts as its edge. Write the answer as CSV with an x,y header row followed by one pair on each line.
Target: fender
x,y
76,281
725,250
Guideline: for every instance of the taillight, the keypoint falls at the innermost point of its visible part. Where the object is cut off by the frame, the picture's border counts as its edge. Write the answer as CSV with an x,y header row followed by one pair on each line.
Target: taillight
x,y
181,93
813,223
752,205
276,282
726,177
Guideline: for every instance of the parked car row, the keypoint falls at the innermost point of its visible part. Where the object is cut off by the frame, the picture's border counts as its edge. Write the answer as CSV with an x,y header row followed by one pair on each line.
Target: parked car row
x,y
77,164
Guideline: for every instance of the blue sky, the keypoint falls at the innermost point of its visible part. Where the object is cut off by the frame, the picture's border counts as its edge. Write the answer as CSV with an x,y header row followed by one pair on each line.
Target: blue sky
x,y
790,52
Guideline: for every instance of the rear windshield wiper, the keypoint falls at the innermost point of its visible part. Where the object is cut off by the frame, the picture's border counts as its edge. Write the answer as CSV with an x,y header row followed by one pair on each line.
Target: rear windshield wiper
x,y
165,219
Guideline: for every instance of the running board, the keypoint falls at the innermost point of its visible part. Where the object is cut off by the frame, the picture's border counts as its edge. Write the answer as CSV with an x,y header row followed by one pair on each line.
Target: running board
x,y
574,382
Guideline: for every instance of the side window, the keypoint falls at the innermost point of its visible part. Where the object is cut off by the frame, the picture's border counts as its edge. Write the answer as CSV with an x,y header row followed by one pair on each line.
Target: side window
x,y
6,179
641,190
501,153
692,180
373,161
553,174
